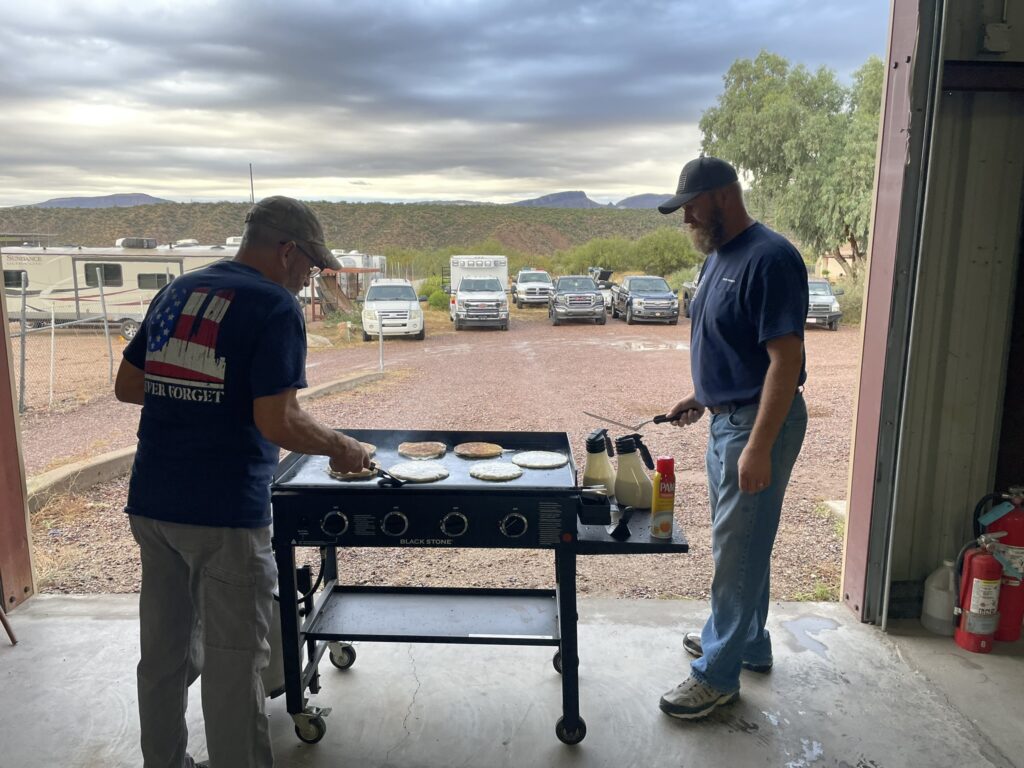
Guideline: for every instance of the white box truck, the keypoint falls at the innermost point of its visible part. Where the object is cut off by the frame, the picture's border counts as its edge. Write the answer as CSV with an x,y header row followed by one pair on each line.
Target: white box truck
x,y
479,291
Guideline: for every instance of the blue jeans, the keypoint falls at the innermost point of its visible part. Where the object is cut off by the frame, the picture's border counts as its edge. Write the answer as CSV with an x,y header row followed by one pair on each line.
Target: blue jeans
x,y
743,528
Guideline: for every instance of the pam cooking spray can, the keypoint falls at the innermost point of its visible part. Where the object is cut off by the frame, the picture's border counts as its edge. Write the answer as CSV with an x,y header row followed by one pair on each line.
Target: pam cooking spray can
x,y
663,503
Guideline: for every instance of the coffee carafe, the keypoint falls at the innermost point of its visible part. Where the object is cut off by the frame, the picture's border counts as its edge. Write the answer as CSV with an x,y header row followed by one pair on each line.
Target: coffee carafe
x,y
633,487
599,469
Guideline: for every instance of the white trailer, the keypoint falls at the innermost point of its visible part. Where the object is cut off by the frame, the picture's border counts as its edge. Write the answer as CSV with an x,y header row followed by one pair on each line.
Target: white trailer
x,y
479,288
65,283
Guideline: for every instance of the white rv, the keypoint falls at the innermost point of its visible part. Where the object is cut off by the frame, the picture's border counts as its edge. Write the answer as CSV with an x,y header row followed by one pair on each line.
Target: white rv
x,y
479,291
64,282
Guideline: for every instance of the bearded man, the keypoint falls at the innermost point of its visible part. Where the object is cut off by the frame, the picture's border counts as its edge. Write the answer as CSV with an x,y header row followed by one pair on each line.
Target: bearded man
x,y
748,369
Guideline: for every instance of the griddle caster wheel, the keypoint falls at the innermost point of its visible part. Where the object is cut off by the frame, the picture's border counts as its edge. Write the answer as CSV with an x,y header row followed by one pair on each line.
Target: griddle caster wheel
x,y
309,724
570,737
343,655
557,662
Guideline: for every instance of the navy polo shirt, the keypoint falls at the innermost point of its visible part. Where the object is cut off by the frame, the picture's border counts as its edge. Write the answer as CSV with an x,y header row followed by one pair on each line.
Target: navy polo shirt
x,y
753,289
212,342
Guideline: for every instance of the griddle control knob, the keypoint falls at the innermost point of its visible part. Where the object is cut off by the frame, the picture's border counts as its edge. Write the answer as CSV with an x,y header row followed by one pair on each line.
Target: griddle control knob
x,y
334,523
454,524
513,525
394,523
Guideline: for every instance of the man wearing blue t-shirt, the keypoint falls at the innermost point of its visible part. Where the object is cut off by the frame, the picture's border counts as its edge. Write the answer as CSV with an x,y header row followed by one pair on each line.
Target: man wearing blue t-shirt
x,y
216,366
748,368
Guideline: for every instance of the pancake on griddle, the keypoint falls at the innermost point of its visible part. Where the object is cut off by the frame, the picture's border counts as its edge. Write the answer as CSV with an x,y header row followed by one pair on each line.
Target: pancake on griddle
x,y
495,471
419,471
420,451
362,474
478,450
540,459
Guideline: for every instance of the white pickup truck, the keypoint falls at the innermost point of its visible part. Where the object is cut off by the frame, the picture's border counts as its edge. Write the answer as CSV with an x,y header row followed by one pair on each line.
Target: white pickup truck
x,y
531,286
479,288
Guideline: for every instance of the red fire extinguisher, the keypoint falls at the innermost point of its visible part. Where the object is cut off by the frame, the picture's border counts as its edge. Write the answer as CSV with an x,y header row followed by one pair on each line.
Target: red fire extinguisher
x,y
1007,519
978,601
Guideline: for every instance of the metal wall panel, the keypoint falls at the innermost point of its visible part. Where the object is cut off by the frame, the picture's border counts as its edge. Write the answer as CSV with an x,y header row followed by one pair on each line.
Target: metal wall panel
x,y
16,583
904,147
959,338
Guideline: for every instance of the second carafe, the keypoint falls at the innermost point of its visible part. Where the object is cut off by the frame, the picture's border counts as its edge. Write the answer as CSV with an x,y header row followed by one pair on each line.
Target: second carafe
x,y
633,487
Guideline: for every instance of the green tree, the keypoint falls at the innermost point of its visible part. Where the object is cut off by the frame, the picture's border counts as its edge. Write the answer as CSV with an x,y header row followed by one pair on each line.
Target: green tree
x,y
807,145
663,252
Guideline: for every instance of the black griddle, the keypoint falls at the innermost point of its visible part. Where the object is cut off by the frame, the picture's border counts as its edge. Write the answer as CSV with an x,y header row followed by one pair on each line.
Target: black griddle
x,y
541,509
298,471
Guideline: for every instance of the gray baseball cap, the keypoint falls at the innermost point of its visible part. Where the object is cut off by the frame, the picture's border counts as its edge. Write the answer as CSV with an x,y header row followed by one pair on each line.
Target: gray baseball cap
x,y
296,219
701,175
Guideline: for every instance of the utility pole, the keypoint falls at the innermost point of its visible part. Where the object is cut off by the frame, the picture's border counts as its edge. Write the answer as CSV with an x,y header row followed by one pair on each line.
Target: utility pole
x,y
252,190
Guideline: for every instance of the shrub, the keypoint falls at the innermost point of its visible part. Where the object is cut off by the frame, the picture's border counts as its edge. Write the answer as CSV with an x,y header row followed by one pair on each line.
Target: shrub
x,y
680,276
439,300
853,296
336,318
430,285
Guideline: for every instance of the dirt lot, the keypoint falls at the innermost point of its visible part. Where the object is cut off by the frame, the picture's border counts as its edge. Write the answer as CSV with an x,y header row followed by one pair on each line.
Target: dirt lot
x,y
534,377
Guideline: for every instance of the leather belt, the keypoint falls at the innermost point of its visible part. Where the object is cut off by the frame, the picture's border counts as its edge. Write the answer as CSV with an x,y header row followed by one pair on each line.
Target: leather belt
x,y
728,407
733,407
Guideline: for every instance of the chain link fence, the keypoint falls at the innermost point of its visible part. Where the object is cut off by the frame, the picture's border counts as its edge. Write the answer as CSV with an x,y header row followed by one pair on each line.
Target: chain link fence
x,y
63,365
59,364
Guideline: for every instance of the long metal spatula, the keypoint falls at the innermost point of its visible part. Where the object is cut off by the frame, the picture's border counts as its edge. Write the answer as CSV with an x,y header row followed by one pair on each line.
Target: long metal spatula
x,y
659,419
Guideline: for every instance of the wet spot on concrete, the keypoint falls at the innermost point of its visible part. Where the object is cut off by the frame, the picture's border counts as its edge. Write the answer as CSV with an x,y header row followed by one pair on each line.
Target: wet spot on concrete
x,y
966,662
812,752
738,724
801,629
771,717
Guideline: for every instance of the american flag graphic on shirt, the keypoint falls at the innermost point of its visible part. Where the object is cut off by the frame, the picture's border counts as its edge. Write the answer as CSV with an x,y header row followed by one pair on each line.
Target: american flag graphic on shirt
x,y
182,349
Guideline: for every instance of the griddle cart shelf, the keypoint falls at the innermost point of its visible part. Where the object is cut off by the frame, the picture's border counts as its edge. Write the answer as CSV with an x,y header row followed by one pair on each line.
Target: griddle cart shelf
x,y
434,615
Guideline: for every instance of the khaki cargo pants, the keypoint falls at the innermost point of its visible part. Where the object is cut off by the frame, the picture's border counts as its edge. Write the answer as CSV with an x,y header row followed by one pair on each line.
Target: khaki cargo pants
x,y
205,609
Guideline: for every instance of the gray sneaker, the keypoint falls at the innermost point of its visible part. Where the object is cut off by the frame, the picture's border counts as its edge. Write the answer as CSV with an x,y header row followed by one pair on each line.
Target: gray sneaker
x,y
692,645
693,699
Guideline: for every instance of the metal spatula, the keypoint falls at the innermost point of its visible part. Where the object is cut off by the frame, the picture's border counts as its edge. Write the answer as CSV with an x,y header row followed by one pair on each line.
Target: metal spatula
x,y
659,419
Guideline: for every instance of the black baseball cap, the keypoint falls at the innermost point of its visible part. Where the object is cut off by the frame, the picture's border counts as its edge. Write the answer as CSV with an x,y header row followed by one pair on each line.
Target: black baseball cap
x,y
701,175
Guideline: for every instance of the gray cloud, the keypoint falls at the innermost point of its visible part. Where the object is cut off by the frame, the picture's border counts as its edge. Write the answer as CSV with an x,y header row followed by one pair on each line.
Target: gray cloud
x,y
526,95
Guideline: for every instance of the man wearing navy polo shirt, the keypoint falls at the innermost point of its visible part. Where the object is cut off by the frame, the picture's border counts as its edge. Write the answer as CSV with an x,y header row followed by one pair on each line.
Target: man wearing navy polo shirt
x,y
748,369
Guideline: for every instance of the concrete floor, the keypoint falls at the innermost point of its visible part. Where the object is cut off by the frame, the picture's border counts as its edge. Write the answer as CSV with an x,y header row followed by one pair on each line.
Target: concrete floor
x,y
842,695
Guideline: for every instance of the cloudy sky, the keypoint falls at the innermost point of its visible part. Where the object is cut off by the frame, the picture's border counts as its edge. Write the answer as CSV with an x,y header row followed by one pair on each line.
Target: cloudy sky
x,y
386,99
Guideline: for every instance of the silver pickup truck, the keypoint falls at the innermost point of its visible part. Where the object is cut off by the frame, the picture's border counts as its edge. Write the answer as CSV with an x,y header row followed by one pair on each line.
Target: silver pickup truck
x,y
822,304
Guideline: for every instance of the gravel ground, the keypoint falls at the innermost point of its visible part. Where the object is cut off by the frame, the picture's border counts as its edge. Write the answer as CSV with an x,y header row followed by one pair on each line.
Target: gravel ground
x,y
534,377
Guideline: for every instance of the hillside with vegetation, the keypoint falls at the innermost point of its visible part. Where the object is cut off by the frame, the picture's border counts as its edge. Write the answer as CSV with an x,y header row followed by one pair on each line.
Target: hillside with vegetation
x,y
367,227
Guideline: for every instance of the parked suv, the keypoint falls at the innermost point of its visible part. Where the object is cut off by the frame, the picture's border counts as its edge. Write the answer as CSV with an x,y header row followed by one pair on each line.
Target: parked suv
x,y
391,307
576,297
822,304
531,286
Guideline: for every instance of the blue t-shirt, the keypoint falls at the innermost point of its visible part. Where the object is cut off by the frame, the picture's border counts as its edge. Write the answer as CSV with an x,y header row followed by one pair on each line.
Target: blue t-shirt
x,y
212,341
753,289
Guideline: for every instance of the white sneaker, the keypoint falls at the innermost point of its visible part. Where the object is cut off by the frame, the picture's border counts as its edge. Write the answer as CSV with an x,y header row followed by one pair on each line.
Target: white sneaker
x,y
693,699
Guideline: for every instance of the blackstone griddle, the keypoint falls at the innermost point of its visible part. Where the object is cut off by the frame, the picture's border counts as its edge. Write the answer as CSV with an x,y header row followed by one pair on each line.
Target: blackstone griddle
x,y
541,509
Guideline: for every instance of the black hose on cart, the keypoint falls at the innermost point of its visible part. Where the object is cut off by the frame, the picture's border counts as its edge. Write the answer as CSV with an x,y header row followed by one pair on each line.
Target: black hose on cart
x,y
319,579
